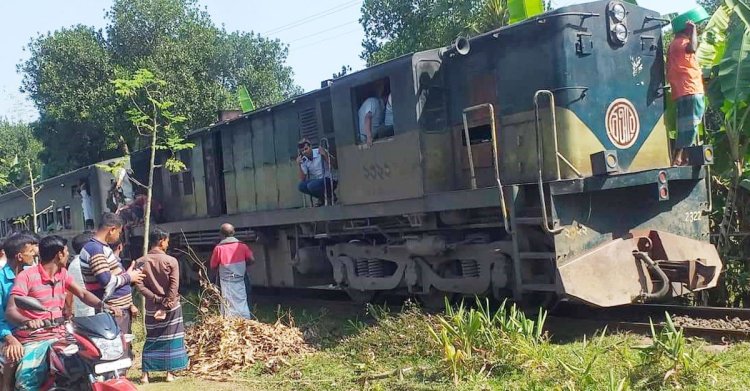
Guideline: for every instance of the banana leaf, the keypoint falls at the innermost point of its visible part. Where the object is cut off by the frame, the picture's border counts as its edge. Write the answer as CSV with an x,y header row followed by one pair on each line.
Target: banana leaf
x,y
729,90
523,9
713,39
741,9
733,71
246,103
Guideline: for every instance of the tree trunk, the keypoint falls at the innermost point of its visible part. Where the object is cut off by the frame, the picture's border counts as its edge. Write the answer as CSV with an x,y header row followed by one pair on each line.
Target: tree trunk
x,y
33,197
149,193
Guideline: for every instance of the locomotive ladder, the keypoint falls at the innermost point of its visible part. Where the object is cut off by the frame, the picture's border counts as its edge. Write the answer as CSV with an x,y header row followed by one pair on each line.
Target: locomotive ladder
x,y
548,223
523,256
510,221
495,156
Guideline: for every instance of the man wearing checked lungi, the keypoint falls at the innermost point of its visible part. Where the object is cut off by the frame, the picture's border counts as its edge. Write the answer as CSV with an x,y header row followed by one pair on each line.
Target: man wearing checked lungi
x,y
686,79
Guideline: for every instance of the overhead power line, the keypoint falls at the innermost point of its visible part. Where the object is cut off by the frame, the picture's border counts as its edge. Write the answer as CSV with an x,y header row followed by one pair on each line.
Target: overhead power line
x,y
322,31
313,17
337,36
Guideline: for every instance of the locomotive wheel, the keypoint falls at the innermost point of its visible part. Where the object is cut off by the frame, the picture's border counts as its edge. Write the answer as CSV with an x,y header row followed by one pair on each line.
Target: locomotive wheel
x,y
360,297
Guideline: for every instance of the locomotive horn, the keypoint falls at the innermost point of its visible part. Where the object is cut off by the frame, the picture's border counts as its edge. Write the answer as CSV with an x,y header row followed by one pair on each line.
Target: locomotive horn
x,y
460,46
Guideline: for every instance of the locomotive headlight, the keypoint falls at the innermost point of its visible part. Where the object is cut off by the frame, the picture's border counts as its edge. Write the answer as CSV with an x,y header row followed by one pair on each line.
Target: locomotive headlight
x,y
620,33
618,12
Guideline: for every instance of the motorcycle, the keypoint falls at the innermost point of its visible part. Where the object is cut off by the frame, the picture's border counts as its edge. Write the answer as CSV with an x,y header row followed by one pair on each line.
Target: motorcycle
x,y
90,357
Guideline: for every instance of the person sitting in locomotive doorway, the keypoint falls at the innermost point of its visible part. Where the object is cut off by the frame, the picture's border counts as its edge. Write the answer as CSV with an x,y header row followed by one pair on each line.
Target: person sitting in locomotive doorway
x,y
123,183
315,172
686,80
371,115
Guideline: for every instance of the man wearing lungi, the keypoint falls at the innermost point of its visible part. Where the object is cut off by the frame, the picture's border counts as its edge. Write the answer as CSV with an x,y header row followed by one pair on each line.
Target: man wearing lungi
x,y
232,257
686,79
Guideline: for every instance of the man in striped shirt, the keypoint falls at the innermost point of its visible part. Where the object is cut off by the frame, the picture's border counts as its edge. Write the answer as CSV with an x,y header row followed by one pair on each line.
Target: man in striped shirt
x,y
102,271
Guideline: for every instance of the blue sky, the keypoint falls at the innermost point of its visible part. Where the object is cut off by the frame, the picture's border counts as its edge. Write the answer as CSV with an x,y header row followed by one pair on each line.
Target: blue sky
x,y
323,34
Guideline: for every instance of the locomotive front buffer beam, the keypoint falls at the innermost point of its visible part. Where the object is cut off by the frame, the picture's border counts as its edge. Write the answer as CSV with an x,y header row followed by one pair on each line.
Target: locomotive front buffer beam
x,y
644,265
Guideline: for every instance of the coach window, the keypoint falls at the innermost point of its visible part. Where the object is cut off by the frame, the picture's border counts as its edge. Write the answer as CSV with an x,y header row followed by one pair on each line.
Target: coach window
x,y
374,105
66,218
59,218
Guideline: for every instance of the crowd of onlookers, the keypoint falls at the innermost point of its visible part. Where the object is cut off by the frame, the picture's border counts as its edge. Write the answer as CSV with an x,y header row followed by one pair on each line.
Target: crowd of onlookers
x,y
93,280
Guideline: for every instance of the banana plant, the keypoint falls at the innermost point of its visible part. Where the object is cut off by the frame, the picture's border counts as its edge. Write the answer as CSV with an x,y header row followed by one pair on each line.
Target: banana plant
x,y
725,55
725,51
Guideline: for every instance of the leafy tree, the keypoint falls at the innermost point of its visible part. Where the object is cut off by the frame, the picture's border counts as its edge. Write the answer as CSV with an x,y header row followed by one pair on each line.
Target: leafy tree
x,y
17,146
151,114
397,27
710,5
345,70
19,166
69,71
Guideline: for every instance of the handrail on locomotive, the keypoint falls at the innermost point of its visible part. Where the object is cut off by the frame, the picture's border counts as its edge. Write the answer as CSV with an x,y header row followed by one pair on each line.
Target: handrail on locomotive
x,y
495,156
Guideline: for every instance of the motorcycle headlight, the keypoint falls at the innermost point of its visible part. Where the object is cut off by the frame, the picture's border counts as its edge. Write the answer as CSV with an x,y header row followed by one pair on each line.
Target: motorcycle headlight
x,y
111,349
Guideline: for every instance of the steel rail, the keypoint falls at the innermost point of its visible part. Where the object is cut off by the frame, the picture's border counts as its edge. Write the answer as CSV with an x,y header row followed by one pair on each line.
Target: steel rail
x,y
637,318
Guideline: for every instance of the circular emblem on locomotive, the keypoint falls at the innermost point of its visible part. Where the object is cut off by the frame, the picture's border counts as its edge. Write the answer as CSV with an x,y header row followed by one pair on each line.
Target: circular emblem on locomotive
x,y
622,123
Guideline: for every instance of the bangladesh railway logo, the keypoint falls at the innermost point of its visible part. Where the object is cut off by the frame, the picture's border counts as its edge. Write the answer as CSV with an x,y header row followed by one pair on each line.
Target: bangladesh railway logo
x,y
622,123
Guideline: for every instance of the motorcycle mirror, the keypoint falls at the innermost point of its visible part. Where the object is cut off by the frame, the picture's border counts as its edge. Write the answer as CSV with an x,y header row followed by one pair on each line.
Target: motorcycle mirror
x,y
29,304
70,350
129,338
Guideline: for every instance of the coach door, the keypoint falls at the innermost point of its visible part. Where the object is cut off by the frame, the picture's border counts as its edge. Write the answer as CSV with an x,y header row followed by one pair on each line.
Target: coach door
x,y
212,161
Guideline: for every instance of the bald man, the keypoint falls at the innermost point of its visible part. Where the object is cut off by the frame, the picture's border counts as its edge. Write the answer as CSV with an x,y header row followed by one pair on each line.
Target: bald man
x,y
232,258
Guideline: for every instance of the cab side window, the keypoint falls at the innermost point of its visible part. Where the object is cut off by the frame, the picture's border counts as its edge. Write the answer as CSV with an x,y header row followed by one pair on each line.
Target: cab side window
x,y
374,105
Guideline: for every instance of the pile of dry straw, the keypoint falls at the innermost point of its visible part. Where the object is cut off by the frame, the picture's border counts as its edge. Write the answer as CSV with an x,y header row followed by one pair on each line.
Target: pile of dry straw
x,y
221,346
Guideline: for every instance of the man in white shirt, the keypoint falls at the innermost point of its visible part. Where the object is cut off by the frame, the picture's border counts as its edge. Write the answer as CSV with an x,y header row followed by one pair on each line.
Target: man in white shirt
x,y
387,129
370,119
315,174
87,205
77,308
123,184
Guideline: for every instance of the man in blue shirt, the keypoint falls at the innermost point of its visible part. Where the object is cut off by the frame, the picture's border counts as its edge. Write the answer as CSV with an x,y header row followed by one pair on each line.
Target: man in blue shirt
x,y
21,250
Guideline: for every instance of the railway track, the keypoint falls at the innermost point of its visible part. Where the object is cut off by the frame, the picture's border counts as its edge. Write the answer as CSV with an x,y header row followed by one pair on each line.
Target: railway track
x,y
715,324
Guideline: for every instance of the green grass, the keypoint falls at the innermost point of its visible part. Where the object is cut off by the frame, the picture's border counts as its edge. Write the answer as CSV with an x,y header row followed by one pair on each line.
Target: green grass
x,y
358,351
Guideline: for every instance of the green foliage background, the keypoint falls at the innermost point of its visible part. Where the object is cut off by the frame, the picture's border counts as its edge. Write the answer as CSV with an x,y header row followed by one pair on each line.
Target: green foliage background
x,y
397,27
17,145
69,71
